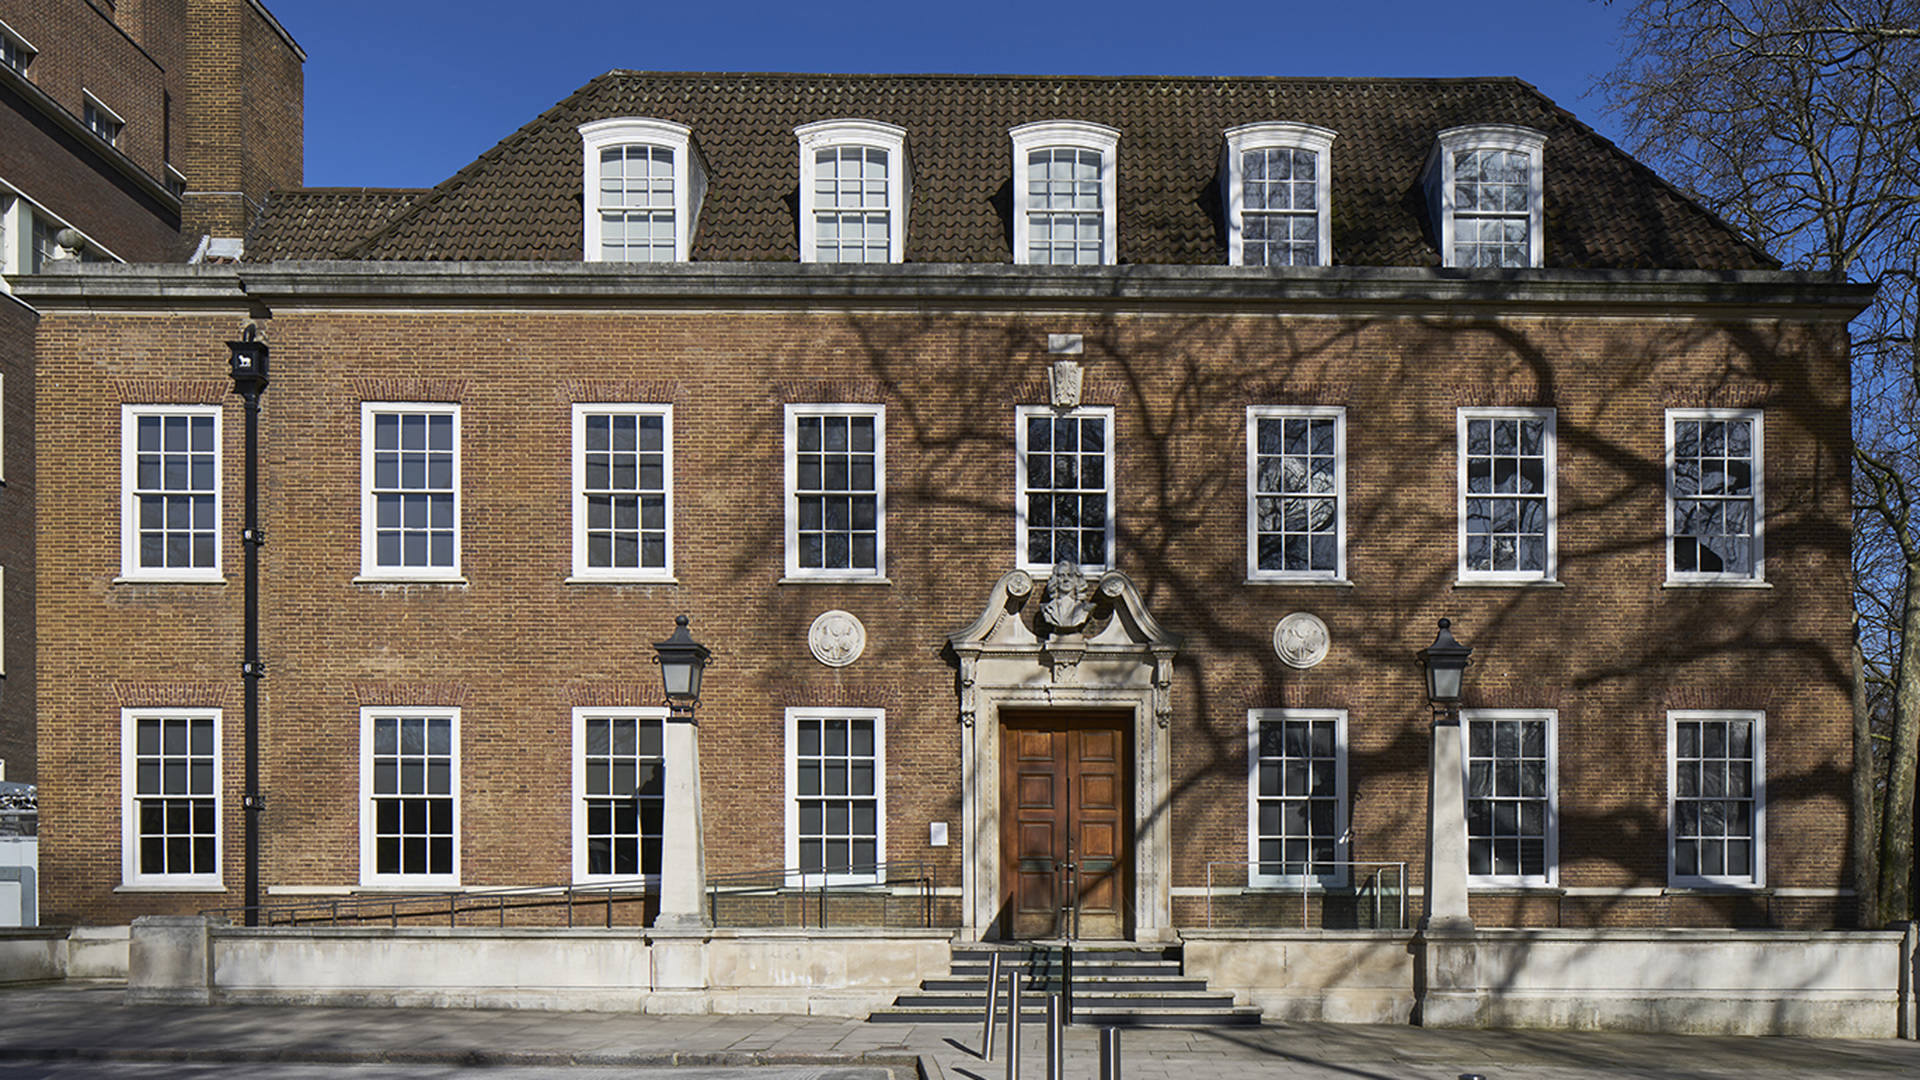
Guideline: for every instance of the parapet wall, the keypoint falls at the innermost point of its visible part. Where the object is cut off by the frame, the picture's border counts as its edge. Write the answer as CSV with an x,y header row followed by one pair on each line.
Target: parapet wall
x,y
1724,982
827,973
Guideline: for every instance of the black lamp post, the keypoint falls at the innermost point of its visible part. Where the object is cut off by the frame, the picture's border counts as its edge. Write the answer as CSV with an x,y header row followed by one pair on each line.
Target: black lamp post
x,y
682,662
249,363
1445,662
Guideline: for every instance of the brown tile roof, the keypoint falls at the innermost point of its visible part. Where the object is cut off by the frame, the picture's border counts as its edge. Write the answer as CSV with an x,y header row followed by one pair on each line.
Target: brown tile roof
x,y
521,199
322,223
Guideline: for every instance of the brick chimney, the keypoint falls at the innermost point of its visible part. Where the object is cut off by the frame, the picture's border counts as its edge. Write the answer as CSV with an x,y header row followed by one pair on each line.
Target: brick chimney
x,y
242,116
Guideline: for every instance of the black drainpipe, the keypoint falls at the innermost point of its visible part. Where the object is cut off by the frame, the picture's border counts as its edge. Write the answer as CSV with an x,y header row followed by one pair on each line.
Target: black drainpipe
x,y
249,362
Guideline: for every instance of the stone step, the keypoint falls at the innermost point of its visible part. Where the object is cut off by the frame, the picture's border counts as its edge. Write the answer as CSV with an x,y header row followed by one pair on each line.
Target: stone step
x,y
980,971
980,954
1145,1016
1082,1002
1117,986
1081,981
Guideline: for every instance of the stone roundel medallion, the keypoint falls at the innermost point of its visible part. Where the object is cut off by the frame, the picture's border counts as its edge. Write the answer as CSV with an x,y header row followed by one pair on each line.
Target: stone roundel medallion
x,y
1301,640
837,638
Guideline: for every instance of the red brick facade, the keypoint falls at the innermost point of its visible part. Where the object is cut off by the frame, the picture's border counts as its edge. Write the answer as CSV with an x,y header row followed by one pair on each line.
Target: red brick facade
x,y
516,646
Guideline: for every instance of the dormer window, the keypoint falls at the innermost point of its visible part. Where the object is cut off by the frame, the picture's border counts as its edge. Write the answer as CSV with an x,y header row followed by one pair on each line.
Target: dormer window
x,y
1484,192
854,191
1063,185
1277,181
100,120
644,183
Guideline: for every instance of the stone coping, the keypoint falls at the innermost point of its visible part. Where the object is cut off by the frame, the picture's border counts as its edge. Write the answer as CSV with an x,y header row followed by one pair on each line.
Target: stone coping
x,y
34,933
912,286
1675,935
646,934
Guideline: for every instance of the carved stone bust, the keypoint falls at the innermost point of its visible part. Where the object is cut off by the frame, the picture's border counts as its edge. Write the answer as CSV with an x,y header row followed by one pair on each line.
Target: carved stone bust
x,y
1069,601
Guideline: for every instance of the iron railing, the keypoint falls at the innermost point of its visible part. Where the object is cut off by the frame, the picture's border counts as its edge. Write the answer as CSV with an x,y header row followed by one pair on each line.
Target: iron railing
x,y
583,905
1342,894
888,894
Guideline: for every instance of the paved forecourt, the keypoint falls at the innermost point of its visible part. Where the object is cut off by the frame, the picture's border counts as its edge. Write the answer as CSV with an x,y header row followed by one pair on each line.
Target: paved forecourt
x,y
51,1031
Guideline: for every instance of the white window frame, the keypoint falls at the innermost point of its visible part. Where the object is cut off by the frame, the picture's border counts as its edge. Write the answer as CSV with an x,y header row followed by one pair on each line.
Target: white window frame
x,y
1257,413
1758,880
119,124
368,875
1076,135
689,175
866,134
1552,838
581,715
1439,181
790,452
130,568
1342,811
370,570
1550,450
21,47
582,571
1759,575
795,876
1021,414
130,875
1276,136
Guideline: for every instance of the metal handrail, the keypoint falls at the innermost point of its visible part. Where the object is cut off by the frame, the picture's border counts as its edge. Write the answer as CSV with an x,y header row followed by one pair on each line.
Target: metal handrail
x,y
863,879
391,908
1317,876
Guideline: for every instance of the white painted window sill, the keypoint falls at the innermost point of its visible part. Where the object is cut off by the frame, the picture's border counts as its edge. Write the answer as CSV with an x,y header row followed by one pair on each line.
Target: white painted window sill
x,y
363,579
835,579
145,887
1508,583
594,580
143,579
1319,582
1707,583
1516,888
1715,888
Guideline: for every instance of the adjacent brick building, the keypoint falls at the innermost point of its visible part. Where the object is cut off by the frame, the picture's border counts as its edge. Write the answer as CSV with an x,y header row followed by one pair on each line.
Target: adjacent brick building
x,y
1131,550
138,131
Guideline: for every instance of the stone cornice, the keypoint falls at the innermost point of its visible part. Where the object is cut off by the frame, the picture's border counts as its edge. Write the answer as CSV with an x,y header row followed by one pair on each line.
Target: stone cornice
x,y
949,286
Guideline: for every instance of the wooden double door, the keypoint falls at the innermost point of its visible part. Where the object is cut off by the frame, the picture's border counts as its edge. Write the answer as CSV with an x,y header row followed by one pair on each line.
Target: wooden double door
x,y
1066,835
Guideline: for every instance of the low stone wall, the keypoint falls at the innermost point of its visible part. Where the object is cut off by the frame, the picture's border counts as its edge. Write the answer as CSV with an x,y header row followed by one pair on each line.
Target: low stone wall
x,y
32,954
97,952
1341,976
819,972
1720,982
1732,982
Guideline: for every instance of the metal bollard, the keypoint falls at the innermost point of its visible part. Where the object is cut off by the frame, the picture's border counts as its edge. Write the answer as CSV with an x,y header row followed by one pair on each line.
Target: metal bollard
x,y
1109,1054
1066,985
993,998
1013,1024
1056,1039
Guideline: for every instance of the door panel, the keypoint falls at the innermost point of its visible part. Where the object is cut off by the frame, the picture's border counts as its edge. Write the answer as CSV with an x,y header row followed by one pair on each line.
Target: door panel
x,y
1064,783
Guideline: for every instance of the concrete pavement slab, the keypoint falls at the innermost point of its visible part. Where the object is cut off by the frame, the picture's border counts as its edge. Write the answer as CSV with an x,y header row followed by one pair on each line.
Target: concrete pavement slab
x,y
55,1023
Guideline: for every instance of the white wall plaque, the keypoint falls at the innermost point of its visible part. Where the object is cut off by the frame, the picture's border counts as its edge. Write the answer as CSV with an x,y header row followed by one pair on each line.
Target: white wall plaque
x,y
1301,640
837,638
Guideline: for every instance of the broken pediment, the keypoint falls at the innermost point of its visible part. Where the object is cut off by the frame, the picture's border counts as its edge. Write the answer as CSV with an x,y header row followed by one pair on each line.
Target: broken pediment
x,y
1106,614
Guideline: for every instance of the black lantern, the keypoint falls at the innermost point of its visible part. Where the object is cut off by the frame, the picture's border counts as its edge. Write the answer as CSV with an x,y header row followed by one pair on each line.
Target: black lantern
x,y
1444,660
682,660
249,360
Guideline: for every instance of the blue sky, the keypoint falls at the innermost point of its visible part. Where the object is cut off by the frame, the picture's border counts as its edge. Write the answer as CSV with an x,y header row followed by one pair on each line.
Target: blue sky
x,y
402,93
